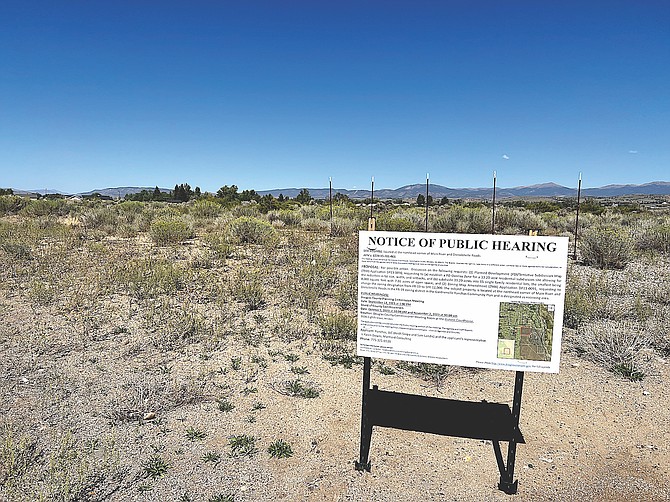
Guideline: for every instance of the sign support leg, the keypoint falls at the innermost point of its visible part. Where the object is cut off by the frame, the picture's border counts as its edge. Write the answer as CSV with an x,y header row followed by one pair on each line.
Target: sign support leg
x,y
507,483
366,424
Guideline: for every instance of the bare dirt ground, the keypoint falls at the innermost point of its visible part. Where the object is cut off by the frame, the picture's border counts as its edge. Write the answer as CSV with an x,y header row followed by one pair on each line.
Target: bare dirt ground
x,y
100,401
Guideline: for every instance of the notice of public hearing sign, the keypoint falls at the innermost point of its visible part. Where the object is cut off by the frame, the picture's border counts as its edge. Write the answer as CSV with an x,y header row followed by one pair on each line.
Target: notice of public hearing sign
x,y
479,300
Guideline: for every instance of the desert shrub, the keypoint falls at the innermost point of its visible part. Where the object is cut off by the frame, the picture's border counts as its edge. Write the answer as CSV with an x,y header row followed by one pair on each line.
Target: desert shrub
x,y
615,345
479,220
251,230
346,211
12,204
133,207
170,231
606,246
586,298
655,237
462,220
312,277
45,207
343,226
205,208
519,221
219,245
250,210
104,217
315,225
309,211
338,326
402,221
287,216
346,293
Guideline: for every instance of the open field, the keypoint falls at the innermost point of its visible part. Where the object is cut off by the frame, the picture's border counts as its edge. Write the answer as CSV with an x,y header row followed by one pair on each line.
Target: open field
x,y
204,352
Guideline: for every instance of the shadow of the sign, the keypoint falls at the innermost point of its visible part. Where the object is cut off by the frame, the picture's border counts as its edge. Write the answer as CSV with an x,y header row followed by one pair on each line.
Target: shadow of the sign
x,y
448,417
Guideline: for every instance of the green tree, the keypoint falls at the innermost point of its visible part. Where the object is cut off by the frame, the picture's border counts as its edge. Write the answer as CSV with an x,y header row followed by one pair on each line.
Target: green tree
x,y
303,197
249,195
591,206
157,193
420,200
268,203
182,192
228,193
6,191
341,198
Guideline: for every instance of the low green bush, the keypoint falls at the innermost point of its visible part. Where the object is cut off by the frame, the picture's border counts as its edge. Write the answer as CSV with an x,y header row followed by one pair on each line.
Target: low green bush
x,y
205,208
45,207
247,229
170,231
289,217
400,222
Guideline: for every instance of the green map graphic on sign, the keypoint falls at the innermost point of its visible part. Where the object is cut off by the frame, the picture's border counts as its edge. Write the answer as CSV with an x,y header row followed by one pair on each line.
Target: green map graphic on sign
x,y
525,331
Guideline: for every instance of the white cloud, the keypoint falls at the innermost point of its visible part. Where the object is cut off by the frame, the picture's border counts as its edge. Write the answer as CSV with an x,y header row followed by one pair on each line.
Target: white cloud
x,y
505,156
632,151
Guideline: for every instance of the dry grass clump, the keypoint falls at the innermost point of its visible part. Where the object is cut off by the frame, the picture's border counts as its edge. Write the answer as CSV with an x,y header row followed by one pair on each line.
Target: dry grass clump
x,y
338,326
618,346
138,394
150,277
19,451
247,287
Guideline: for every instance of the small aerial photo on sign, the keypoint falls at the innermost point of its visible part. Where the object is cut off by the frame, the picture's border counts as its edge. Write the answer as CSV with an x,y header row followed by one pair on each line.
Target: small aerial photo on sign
x,y
525,331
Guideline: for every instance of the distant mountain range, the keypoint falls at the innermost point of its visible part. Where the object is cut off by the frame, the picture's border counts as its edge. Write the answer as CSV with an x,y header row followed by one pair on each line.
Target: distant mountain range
x,y
436,191
439,191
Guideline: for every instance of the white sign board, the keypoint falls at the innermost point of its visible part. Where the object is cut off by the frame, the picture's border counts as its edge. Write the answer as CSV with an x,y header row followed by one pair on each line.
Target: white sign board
x,y
480,300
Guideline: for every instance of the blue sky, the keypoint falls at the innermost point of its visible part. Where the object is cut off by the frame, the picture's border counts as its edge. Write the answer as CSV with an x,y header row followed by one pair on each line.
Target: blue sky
x,y
275,94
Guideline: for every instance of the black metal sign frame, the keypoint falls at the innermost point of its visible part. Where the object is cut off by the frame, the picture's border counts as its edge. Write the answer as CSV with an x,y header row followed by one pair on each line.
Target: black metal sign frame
x,y
476,420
